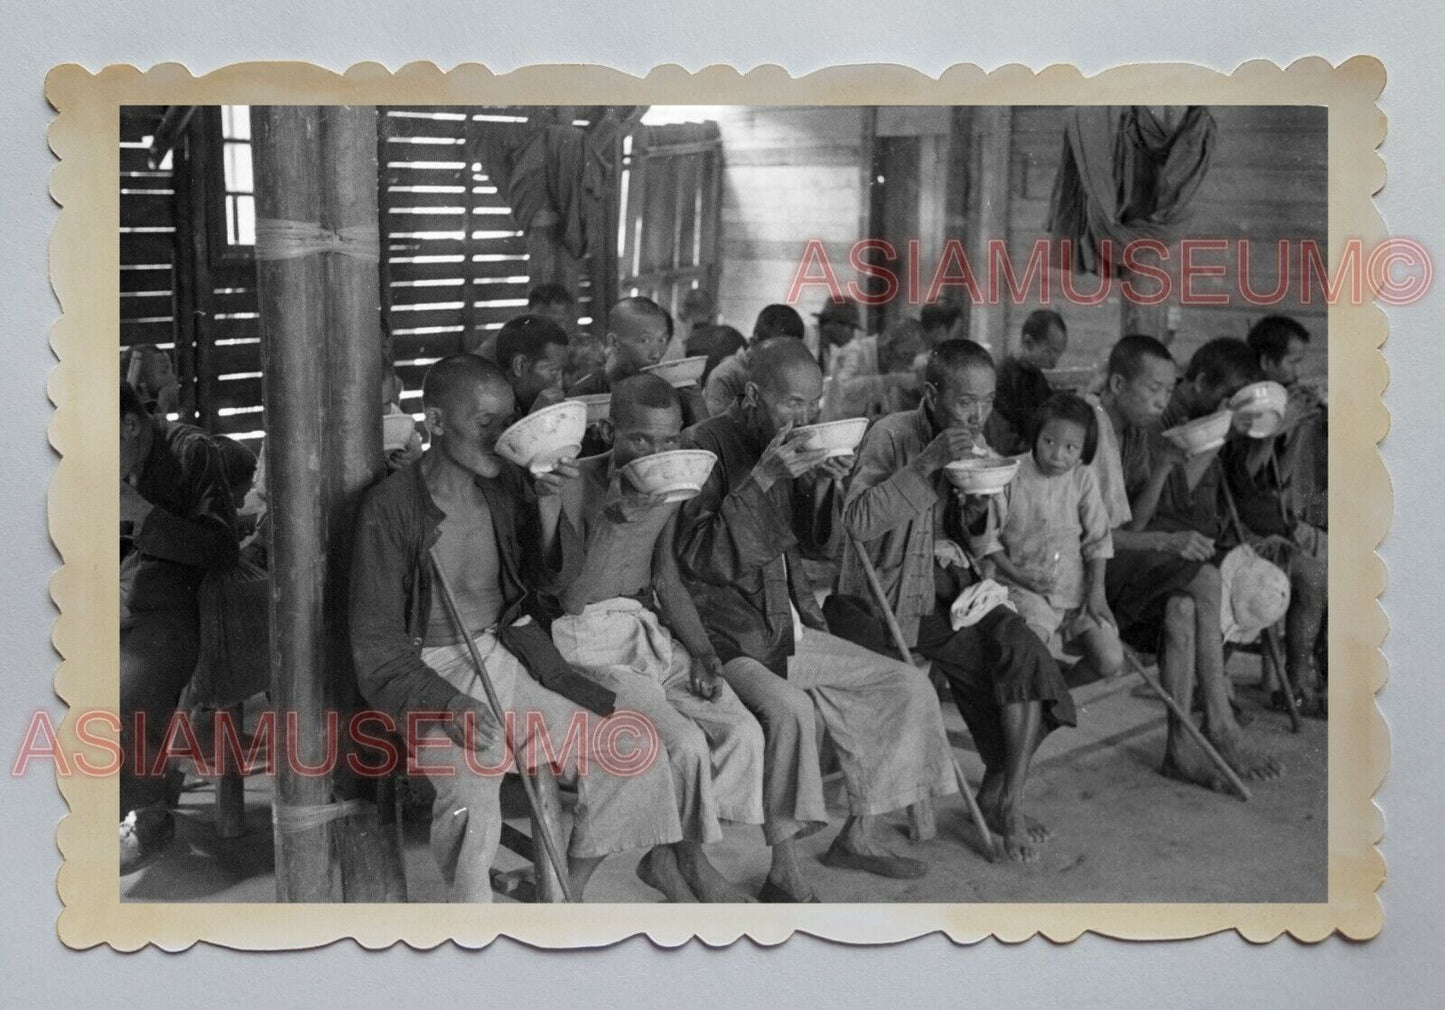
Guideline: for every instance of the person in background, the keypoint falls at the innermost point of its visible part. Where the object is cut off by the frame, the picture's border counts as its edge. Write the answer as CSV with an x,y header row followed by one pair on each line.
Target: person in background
x,y
177,511
727,380
717,342
1022,387
630,624
637,330
532,353
941,321
883,377
840,324
924,540
1299,465
740,545
151,373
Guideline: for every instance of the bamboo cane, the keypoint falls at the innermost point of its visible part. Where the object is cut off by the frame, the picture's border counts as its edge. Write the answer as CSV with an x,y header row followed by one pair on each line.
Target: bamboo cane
x,y
1194,732
533,800
902,645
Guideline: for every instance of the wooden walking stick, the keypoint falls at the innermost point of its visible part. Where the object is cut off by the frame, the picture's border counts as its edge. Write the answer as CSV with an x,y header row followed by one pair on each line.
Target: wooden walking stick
x,y
1194,732
876,586
540,813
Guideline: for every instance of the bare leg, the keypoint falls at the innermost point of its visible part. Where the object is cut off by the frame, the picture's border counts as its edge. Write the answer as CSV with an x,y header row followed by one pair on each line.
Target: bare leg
x,y
785,873
1219,723
1182,758
1302,626
659,870
1001,795
858,847
703,878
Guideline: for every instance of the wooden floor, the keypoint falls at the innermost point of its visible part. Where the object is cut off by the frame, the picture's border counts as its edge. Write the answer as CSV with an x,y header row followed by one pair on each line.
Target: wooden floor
x,y
1122,831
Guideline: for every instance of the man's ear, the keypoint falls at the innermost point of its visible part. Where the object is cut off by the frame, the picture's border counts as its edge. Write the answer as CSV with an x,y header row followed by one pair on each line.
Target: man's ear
x,y
750,394
518,365
434,420
606,429
1114,383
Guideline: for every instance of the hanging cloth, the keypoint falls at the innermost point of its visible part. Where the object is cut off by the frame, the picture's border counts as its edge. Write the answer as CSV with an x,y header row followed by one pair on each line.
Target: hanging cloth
x,y
1126,174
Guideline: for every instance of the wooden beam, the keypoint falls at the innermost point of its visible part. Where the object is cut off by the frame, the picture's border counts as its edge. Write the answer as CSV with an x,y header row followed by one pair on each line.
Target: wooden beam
x,y
993,137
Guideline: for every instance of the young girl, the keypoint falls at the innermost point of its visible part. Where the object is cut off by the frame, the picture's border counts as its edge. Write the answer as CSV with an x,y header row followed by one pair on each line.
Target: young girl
x,y
1049,537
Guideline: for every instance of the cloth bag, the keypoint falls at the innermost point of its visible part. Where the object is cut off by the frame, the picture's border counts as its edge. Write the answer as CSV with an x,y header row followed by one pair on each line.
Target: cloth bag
x,y
235,635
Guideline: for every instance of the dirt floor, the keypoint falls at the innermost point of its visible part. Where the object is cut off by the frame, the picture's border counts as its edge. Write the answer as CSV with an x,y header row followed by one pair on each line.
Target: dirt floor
x,y
1122,832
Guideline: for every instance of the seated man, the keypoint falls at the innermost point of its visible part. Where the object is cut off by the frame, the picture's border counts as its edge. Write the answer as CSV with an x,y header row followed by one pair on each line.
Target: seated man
x,y
177,522
637,332
916,530
717,343
549,300
532,352
1298,477
1200,498
1022,388
666,669
729,377
498,540
1159,584
739,545
941,321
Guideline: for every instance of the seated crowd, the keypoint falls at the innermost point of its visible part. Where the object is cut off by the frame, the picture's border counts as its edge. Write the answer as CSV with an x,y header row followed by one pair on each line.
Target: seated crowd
x,y
757,626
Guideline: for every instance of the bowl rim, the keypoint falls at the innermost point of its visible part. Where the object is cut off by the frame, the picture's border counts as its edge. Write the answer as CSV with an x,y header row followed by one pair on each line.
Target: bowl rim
x,y
672,452
1200,423
840,422
563,406
675,362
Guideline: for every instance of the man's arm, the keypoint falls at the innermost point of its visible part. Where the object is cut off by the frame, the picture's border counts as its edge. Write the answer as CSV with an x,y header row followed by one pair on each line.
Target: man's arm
x,y
676,603
885,491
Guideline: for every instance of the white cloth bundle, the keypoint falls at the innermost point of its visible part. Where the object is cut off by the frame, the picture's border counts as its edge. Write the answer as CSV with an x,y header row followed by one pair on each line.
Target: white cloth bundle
x,y
974,603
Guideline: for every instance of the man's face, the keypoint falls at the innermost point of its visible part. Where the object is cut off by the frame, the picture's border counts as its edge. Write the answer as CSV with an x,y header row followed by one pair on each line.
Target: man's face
x,y
794,395
530,376
1285,371
1143,398
1046,353
466,424
158,372
564,314
634,343
1201,397
645,431
836,334
964,401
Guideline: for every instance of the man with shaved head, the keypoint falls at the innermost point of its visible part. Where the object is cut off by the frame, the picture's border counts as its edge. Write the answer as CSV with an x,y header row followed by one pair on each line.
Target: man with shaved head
x,y
499,537
637,334
630,624
729,378
740,547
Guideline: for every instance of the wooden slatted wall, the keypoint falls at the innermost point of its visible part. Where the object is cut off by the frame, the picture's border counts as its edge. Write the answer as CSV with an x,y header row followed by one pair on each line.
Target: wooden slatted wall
x,y
147,235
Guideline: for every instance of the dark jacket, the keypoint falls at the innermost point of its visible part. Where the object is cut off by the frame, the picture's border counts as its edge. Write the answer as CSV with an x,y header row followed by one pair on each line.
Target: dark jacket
x,y
391,590
740,548
192,527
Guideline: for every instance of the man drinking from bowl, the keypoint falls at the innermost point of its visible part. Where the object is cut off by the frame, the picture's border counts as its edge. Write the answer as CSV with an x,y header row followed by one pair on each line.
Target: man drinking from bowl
x,y
630,624
739,543
917,531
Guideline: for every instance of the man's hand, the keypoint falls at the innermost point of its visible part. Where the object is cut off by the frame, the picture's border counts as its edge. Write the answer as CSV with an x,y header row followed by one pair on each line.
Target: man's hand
x,y
472,725
786,456
1189,545
951,444
706,676
633,505
1168,455
836,468
1097,607
133,507
553,481
396,459
947,554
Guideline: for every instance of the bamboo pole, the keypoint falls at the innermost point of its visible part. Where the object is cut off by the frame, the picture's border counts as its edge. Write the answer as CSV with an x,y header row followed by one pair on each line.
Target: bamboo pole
x,y
371,867
288,177
874,584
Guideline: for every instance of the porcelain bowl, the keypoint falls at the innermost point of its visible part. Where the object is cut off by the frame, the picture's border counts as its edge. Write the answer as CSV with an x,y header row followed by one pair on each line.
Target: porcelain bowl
x,y
682,372
985,475
679,474
1202,434
599,405
840,438
539,440
1259,408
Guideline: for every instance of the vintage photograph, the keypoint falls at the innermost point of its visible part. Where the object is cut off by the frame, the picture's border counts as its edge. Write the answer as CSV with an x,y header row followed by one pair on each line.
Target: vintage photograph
x,y
726,504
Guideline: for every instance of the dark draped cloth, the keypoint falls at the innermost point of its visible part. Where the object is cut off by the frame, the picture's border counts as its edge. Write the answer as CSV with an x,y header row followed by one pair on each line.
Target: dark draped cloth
x,y
1126,175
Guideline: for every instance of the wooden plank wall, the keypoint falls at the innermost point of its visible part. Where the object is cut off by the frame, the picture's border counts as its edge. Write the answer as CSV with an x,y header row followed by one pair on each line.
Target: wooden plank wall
x,y
147,235
789,175
1267,182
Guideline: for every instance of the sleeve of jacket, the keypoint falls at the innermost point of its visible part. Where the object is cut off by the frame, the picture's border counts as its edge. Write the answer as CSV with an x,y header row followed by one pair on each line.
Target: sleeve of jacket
x,y
389,668
205,536
884,492
726,537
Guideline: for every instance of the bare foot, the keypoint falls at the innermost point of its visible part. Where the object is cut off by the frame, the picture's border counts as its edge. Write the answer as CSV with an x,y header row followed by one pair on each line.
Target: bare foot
x,y
1187,764
1251,763
786,876
658,870
704,879
1015,836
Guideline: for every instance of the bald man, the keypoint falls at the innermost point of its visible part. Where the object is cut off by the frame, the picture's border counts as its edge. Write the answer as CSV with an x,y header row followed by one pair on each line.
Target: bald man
x,y
637,334
630,624
739,545
478,511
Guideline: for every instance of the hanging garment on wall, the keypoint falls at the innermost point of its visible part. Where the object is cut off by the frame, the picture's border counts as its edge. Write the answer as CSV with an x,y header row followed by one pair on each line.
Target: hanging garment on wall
x,y
1127,173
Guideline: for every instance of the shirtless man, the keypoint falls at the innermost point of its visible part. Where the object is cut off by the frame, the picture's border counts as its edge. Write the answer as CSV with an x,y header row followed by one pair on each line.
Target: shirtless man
x,y
1160,583
740,546
499,538
631,625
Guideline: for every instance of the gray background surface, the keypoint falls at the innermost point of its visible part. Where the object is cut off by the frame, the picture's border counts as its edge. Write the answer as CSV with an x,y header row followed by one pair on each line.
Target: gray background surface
x,y
1401,968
